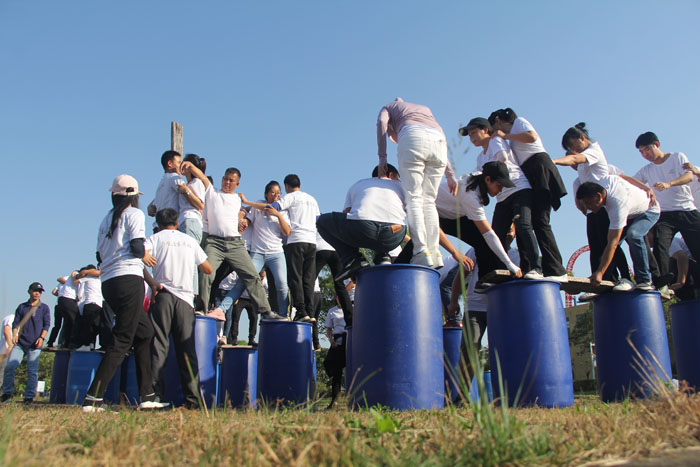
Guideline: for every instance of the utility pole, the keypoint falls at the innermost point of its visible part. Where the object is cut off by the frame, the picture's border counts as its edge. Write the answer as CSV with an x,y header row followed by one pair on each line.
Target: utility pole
x,y
176,137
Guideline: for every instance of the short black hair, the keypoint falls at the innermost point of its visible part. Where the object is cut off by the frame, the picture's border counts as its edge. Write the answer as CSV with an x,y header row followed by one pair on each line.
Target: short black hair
x,y
167,157
90,266
645,139
588,190
390,169
166,217
270,184
292,180
233,170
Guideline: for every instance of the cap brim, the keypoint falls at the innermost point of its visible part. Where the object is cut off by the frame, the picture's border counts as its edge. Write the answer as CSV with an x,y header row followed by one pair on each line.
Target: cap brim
x,y
464,131
506,182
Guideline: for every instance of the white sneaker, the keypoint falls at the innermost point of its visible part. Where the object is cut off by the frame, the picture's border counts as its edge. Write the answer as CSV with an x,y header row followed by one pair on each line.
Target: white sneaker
x,y
644,286
148,405
92,408
586,297
533,275
423,259
561,279
623,285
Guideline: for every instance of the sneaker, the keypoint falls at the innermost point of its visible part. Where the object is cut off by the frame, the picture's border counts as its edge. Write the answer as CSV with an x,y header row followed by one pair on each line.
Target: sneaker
x,y
644,286
423,259
304,318
665,292
481,287
6,398
586,297
384,259
563,279
533,275
437,260
623,285
351,267
272,316
252,343
152,402
93,404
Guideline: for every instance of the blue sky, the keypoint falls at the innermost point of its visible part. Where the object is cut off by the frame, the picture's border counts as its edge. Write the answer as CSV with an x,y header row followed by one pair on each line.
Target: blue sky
x,y
88,90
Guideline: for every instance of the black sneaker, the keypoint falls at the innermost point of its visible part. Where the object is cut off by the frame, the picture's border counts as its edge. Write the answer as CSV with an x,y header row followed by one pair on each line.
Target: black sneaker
x,y
304,318
28,401
272,316
252,343
351,267
6,398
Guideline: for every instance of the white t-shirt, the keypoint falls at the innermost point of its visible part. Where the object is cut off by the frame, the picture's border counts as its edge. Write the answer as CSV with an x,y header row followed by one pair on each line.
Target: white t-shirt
x,y
695,190
335,320
303,210
499,150
322,245
624,201
167,195
221,213
523,151
376,199
187,211
676,198
69,289
612,170
678,244
90,291
115,252
469,203
479,301
6,321
351,292
596,165
266,233
177,257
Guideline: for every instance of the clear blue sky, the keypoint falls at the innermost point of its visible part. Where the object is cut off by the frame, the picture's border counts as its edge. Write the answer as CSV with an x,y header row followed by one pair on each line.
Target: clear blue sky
x,y
88,90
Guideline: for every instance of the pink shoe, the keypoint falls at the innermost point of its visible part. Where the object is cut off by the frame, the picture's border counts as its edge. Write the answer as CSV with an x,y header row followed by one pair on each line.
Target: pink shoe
x,y
217,314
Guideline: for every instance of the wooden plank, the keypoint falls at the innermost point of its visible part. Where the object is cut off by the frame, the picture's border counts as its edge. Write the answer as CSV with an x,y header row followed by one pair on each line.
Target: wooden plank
x,y
176,137
574,286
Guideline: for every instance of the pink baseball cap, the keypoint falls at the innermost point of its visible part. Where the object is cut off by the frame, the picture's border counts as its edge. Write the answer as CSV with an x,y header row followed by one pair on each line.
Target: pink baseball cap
x,y
125,185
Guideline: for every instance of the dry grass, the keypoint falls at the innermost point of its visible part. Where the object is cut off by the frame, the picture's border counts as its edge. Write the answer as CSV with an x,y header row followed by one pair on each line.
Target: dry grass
x,y
588,432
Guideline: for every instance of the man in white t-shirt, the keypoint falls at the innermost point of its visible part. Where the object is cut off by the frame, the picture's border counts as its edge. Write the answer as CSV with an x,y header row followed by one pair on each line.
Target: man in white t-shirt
x,y
172,309
167,193
668,178
300,250
66,311
632,214
6,340
374,217
223,242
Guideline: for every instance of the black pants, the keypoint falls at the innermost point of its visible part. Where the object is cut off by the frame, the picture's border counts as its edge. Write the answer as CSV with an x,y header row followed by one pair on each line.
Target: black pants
x,y
87,326
517,208
477,321
173,316
124,294
335,362
486,259
318,299
65,314
668,225
597,226
241,304
301,274
332,260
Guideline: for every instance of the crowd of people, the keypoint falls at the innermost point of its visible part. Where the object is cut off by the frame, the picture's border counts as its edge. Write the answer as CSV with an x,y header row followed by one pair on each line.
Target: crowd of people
x,y
215,252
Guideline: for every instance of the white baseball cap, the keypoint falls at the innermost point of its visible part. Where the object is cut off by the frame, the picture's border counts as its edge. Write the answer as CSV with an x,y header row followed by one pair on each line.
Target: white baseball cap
x,y
125,185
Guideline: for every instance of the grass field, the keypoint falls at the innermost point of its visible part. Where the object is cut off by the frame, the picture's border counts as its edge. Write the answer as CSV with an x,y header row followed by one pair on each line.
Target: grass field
x,y
588,432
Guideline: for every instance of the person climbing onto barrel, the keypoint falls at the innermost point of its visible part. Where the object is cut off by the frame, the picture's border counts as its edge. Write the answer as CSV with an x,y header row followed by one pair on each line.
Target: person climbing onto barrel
x,y
632,214
547,186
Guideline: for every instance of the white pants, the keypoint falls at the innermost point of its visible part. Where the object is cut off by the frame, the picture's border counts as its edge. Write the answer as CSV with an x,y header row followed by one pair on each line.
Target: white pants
x,y
422,161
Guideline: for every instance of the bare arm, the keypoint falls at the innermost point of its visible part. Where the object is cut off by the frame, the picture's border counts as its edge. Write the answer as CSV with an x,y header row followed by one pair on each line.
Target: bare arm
x,y
195,172
524,137
256,205
463,260
284,227
641,186
687,177
89,272
61,280
191,197
329,335
683,264
614,236
7,332
570,160
205,267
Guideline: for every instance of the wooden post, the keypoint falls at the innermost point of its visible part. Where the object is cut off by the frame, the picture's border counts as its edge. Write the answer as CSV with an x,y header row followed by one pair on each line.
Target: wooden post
x,y
176,137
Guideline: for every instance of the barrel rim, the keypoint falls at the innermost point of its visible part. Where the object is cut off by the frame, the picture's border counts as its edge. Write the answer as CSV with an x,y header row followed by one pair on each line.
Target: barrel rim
x,y
282,322
628,292
395,266
522,282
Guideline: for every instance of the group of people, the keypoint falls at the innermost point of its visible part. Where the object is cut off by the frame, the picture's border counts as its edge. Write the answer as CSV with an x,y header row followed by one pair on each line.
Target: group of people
x,y
211,245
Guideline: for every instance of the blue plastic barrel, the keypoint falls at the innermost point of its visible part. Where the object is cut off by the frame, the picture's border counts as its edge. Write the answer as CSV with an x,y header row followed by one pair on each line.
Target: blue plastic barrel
x,y
205,340
59,376
238,376
528,341
349,374
129,382
631,344
685,328
452,340
488,386
397,338
285,363
81,371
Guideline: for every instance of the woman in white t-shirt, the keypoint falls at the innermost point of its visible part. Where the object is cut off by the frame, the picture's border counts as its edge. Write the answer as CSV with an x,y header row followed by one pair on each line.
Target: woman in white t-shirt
x,y
122,255
514,204
587,158
544,178
475,229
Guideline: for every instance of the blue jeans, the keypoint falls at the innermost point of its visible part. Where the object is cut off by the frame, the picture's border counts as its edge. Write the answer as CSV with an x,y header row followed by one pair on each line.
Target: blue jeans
x,y
193,228
16,355
347,236
446,292
634,234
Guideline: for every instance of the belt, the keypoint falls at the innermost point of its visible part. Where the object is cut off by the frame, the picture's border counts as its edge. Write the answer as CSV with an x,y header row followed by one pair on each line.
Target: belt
x,y
227,239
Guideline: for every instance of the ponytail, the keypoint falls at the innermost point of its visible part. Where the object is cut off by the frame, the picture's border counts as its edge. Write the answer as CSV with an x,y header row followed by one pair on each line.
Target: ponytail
x,y
507,115
120,203
477,182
